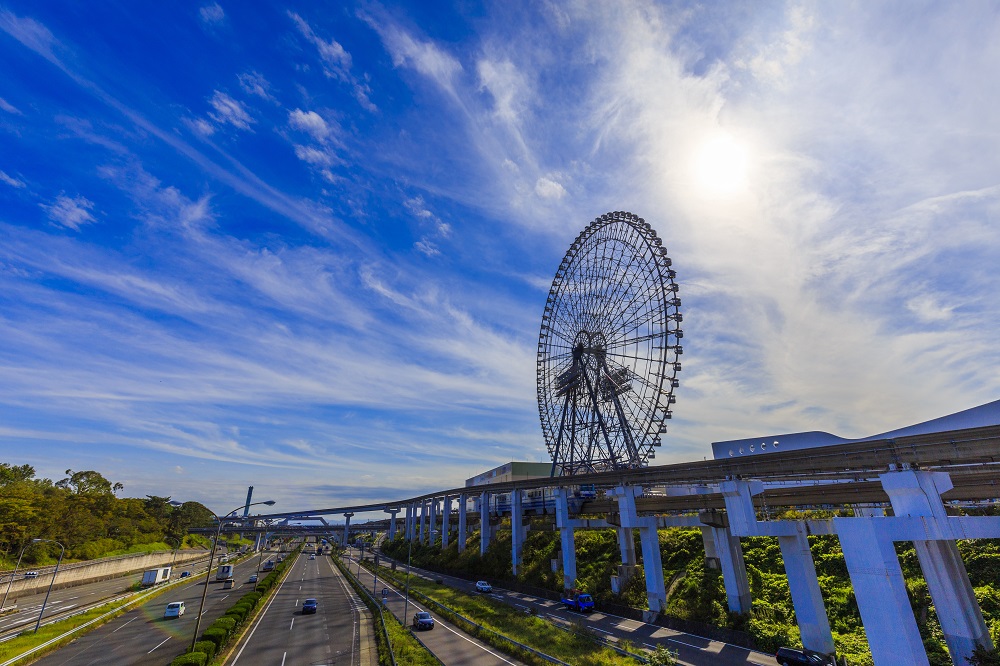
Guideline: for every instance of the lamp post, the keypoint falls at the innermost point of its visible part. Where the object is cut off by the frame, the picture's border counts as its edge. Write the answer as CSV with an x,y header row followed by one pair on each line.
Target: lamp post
x,y
62,551
174,557
14,575
211,558
406,602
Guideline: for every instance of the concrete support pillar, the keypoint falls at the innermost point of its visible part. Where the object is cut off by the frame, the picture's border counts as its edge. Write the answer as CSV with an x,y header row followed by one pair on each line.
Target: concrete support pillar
x,y
626,546
423,522
445,521
810,613
656,594
462,502
711,556
914,493
734,570
392,522
881,592
656,591
485,530
567,539
740,519
433,527
347,529
517,529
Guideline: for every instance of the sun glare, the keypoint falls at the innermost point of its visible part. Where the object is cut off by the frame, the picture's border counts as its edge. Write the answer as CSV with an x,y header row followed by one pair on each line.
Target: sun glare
x,y
721,166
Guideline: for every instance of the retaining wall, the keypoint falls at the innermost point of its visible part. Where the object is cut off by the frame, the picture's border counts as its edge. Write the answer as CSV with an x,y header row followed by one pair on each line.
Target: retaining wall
x,y
94,570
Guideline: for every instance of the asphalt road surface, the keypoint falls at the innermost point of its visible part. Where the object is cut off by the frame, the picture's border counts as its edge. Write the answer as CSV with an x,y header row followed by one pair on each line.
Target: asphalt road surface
x,y
281,634
691,650
144,636
73,598
448,643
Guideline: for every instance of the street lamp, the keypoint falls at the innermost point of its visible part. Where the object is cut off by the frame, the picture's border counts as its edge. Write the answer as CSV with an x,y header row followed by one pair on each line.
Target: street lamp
x,y
174,558
14,575
211,558
406,602
62,551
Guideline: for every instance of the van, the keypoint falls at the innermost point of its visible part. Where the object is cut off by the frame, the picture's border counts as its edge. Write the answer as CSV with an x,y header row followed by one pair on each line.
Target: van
x,y
228,584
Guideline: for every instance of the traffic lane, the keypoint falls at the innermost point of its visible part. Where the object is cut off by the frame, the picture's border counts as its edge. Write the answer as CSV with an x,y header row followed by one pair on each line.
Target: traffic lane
x,y
144,636
282,634
448,643
692,650
68,598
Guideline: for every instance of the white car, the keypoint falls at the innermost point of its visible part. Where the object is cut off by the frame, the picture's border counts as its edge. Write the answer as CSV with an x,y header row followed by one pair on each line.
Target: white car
x,y
483,586
174,609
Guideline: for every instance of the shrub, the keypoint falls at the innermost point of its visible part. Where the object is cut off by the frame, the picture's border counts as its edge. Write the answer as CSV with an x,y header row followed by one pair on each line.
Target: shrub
x,y
217,635
208,647
239,611
226,622
190,659
251,598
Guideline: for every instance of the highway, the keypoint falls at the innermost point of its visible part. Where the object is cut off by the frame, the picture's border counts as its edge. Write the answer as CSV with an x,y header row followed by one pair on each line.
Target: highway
x,y
691,650
448,643
72,598
143,636
340,632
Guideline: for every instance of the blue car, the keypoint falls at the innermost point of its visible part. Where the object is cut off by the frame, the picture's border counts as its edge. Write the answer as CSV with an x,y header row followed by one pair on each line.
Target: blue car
x,y
309,606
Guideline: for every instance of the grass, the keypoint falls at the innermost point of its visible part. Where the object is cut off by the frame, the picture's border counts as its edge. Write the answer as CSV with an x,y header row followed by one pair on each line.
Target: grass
x,y
575,647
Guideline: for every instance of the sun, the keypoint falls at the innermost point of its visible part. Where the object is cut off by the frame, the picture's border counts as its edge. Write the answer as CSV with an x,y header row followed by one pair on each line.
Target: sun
x,y
721,166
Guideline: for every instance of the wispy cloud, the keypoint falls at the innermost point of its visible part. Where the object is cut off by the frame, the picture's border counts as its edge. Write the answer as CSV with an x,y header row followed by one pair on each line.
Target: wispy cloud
x,y
9,108
212,14
254,83
228,111
10,180
70,212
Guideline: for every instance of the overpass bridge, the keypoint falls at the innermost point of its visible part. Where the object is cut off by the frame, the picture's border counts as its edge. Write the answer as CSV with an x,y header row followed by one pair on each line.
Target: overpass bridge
x,y
918,475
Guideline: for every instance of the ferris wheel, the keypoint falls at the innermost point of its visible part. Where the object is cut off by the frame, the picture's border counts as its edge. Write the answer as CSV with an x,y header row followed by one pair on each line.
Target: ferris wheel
x,y
609,348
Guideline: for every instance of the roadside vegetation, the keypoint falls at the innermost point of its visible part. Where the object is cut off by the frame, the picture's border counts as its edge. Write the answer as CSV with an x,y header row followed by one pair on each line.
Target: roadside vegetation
x,y
697,593
575,646
84,513
405,649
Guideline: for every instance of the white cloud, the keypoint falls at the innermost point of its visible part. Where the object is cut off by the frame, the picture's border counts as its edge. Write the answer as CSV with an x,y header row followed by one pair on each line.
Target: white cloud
x,y
229,111
547,188
426,247
70,212
318,157
421,55
310,122
255,84
336,61
201,126
212,13
10,180
29,32
9,108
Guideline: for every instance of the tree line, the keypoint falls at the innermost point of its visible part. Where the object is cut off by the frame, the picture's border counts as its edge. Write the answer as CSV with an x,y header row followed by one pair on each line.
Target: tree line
x,y
84,513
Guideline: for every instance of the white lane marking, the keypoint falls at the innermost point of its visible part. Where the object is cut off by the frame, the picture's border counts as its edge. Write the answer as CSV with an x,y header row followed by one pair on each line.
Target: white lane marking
x,y
132,620
223,598
292,624
259,620
164,641
283,655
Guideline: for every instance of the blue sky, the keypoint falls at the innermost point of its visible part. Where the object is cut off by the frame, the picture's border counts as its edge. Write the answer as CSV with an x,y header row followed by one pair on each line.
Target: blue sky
x,y
307,246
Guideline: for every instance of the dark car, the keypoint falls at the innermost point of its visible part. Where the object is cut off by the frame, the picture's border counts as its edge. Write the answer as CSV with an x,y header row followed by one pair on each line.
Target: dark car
x,y
185,574
309,606
423,620
795,657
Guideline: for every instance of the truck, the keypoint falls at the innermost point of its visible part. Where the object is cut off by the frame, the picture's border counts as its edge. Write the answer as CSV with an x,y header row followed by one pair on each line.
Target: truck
x,y
578,601
269,565
225,572
155,576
